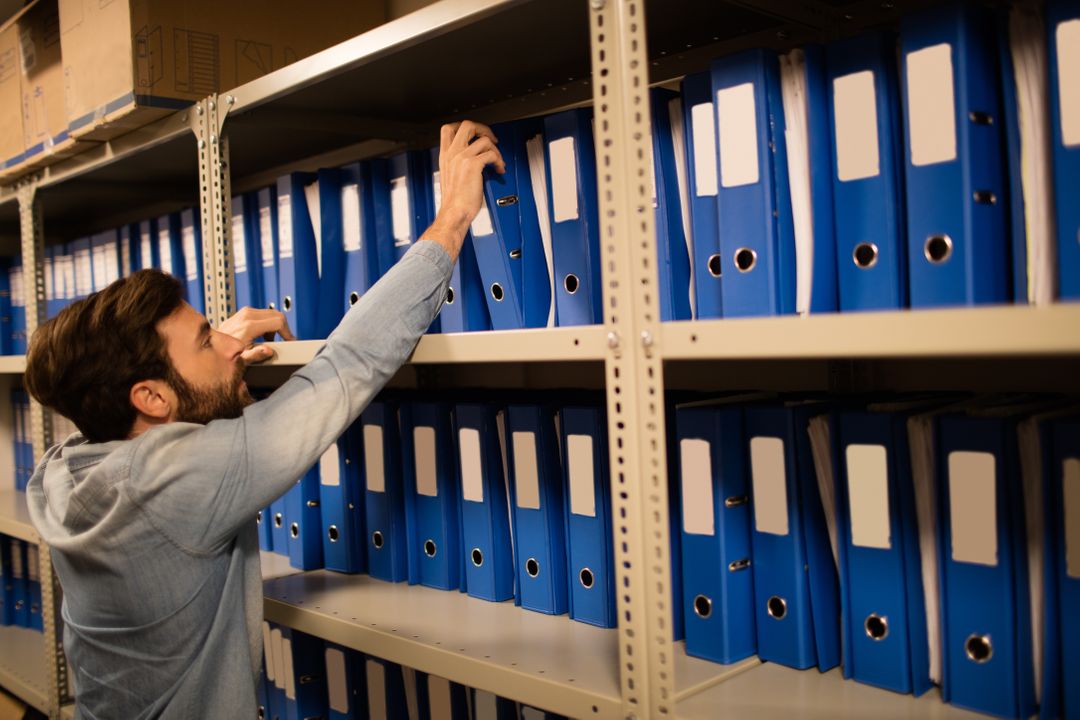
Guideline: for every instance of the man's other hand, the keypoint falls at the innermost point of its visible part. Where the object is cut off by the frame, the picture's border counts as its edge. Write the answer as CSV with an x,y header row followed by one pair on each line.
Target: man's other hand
x,y
251,323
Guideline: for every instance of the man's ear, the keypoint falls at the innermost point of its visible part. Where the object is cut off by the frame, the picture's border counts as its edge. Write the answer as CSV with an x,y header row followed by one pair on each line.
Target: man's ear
x,y
152,398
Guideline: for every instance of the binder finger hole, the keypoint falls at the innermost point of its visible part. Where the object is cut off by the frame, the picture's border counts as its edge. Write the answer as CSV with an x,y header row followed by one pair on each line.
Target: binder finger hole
x,y
429,548
702,606
979,649
272,306
777,607
497,292
586,578
294,530
258,518
278,520
262,712
571,283
286,303
332,533
865,255
938,248
477,557
877,627
377,539
532,568
715,265
354,298
745,260
449,296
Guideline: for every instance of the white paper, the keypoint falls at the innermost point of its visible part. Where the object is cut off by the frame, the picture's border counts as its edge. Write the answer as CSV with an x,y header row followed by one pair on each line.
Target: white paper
x,y
682,179
931,105
973,507
526,475
921,445
737,135
797,138
1070,491
376,684
1068,58
439,705
695,462
351,218
337,686
564,179
329,467
706,177
436,189
191,260
538,179
373,458
472,474
579,458
268,653
266,235
855,122
287,668
821,449
481,224
285,226
868,495
769,480
399,211
427,483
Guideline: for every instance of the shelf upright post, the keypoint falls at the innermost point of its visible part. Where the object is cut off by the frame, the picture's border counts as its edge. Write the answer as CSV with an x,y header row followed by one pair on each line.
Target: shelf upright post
x,y
33,257
215,205
635,388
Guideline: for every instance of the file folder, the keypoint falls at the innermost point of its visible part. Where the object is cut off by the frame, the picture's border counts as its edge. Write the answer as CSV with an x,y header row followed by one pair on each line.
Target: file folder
x,y
1064,497
440,699
54,291
33,588
262,695
431,494
169,246
488,706
485,515
275,660
386,690
574,213
7,582
757,238
341,501
267,218
191,242
18,305
105,258
699,120
83,266
279,527
956,193
21,594
6,333
537,501
64,276
305,674
129,249
242,235
302,513
346,683
1063,39
531,713
264,522
867,183
384,496
328,223
410,199
298,269
148,250
718,579
673,258
591,556
359,233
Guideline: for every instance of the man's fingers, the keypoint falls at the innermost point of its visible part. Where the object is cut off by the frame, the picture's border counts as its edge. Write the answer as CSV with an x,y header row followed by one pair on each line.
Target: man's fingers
x,y
467,131
257,354
492,157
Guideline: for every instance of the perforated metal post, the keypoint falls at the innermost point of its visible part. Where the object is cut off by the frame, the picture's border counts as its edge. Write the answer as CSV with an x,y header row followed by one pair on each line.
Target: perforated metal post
x,y
207,119
635,388
33,254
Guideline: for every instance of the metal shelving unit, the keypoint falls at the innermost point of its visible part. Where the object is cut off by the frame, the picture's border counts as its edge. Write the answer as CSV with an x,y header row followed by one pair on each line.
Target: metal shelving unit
x,y
14,517
22,666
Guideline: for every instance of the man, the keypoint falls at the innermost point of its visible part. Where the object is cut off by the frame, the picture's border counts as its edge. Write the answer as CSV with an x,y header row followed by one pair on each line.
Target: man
x,y
149,510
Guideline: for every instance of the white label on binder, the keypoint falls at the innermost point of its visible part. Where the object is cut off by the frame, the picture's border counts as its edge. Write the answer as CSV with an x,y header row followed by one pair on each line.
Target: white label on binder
x,y
427,483
472,474
165,249
564,179
266,235
436,189
399,210
97,255
481,224
287,668
351,219
376,683
526,477
439,697
284,226
1068,57
125,259
652,175
32,563
701,123
868,495
931,105
856,124
145,247
579,461
973,507
275,651
337,686
1070,493
769,478
268,652
239,246
191,263
373,458
697,487
329,467
529,713
485,706
737,117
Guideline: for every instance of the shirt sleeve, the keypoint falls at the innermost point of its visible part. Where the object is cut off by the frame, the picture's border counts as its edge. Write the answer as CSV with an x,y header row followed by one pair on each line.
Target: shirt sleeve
x,y
199,484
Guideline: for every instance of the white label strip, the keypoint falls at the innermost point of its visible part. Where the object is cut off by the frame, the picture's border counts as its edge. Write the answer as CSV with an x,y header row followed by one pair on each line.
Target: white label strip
x,y
973,507
485,706
337,685
146,250
351,218
1070,492
239,246
868,495
373,458
376,686
472,473
399,211
329,467
436,189
266,235
165,250
769,479
564,179
526,475
579,461
427,483
439,705
279,667
695,465
285,226
1068,58
856,124
191,262
738,135
931,105
287,668
704,130
268,653
481,224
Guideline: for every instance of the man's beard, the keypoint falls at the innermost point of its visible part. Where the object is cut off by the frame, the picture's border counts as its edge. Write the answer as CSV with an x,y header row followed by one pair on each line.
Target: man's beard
x,y
220,402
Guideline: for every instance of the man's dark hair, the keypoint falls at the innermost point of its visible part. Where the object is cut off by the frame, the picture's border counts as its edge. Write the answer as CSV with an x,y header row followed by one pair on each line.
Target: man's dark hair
x,y
83,362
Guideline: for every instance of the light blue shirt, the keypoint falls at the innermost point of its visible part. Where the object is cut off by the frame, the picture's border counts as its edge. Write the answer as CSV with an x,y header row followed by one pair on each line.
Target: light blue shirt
x,y
154,538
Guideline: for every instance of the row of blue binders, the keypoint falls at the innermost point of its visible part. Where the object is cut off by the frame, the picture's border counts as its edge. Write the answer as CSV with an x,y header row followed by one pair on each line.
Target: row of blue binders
x,y
499,501
22,438
917,542
20,584
306,677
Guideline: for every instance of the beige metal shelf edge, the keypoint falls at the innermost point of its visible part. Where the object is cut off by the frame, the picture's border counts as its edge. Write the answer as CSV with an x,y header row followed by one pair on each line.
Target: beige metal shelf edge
x,y
540,345
14,517
22,666
12,364
990,331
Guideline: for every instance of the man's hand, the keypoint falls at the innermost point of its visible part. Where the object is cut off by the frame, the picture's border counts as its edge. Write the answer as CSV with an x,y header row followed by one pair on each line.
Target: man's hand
x,y
466,148
251,323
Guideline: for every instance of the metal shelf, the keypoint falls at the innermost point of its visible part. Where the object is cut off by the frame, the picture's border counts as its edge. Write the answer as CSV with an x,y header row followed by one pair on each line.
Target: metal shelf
x,y
14,517
22,666
1008,331
275,566
12,364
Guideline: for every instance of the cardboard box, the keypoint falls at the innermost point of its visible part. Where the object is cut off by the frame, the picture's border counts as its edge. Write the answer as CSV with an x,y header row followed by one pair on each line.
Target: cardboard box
x,y
11,131
45,126
129,62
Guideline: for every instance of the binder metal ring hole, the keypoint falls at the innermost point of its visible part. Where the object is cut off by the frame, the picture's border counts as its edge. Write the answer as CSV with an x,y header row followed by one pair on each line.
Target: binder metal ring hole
x,y
877,627
258,518
777,607
737,565
938,248
979,649
571,283
865,255
497,292
354,297
278,520
586,578
532,568
981,118
745,260
984,197
702,606
477,557
377,539
332,533
429,548
286,303
715,265
294,530
515,254
449,296
505,201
